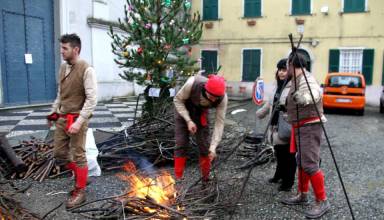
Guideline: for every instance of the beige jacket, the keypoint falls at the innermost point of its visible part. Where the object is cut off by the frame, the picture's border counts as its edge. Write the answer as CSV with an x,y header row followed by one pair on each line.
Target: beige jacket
x,y
266,109
90,86
179,100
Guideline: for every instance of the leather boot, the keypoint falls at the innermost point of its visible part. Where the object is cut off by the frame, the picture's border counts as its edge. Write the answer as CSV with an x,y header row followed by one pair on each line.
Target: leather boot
x,y
77,196
318,210
179,167
299,199
322,205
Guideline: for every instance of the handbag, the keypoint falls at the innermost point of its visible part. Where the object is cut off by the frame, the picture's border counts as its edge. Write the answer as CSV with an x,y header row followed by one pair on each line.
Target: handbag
x,y
283,128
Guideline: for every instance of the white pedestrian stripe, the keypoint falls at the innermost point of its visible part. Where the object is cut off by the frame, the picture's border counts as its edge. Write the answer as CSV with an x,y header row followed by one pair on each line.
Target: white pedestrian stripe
x,y
110,116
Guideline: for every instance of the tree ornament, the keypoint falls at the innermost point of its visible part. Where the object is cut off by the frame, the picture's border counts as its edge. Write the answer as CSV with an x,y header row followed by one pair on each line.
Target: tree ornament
x,y
187,4
186,41
167,3
139,50
148,26
126,54
167,47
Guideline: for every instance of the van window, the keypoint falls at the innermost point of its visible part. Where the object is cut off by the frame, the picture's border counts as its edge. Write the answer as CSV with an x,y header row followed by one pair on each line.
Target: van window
x,y
350,81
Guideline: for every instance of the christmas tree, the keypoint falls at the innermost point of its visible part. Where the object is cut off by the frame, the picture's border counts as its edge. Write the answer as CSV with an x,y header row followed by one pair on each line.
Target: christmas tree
x,y
155,50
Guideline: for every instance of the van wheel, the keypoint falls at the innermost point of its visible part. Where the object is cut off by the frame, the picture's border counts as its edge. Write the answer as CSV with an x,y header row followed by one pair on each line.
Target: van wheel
x,y
360,112
381,108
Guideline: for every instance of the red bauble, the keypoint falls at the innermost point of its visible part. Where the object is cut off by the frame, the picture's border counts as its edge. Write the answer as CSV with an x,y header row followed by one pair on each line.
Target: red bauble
x,y
140,50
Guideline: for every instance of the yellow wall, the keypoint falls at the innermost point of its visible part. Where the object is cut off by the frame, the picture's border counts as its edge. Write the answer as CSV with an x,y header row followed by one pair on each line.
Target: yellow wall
x,y
231,34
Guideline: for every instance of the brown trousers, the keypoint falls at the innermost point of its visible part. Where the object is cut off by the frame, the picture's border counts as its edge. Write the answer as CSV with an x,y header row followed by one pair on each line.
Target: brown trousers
x,y
182,136
308,153
69,147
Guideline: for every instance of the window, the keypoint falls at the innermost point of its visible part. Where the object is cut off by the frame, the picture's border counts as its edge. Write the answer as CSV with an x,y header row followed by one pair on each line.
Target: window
x,y
210,9
352,60
301,7
252,8
350,81
209,61
251,64
354,6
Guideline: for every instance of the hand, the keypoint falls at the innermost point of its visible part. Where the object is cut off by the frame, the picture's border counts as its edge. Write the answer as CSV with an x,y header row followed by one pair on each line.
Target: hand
x,y
301,99
75,128
192,127
212,156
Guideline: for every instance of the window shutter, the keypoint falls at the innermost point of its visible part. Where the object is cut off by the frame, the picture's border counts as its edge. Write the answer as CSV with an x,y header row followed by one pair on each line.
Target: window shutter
x,y
334,58
354,5
210,9
209,62
368,56
252,8
251,65
301,7
382,77
215,9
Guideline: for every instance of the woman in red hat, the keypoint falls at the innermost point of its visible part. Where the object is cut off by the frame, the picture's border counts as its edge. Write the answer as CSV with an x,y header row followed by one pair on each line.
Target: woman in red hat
x,y
192,102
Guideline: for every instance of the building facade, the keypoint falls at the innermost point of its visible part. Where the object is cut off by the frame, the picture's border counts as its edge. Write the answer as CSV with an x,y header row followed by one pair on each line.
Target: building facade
x,y
248,37
30,50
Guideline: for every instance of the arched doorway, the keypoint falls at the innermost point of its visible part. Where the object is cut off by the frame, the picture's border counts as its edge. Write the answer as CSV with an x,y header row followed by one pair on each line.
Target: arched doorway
x,y
307,58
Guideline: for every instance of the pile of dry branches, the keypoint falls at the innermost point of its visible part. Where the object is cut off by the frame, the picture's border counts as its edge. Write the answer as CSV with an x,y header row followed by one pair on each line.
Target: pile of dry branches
x,y
37,155
9,207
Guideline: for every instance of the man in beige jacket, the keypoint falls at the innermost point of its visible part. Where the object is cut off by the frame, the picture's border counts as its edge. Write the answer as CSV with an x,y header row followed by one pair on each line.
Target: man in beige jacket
x,y
192,103
73,107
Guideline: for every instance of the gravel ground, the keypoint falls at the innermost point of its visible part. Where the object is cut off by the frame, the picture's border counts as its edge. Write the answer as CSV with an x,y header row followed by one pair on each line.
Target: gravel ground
x,y
358,147
357,143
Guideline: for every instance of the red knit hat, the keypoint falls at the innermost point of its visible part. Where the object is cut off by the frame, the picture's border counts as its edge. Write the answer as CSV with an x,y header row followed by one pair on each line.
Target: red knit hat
x,y
215,85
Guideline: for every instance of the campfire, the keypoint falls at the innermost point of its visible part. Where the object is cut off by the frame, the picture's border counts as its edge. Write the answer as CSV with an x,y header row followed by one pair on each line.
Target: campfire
x,y
160,189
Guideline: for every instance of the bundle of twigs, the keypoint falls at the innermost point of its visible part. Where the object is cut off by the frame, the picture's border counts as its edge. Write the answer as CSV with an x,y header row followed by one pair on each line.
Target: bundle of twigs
x,y
10,208
197,203
152,138
38,157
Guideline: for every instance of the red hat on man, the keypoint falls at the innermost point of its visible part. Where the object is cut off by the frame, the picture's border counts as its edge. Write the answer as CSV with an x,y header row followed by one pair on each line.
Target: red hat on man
x,y
215,85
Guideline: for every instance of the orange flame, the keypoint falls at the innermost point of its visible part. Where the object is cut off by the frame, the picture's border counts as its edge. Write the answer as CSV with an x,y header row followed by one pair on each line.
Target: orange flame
x,y
161,189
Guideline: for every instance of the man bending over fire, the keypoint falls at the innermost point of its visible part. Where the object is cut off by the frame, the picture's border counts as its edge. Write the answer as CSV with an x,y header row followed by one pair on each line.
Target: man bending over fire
x,y
192,103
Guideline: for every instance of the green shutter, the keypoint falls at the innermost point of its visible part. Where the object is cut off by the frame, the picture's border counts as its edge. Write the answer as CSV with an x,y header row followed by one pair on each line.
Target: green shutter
x,y
368,55
251,65
333,63
382,77
354,6
301,7
209,62
252,8
210,9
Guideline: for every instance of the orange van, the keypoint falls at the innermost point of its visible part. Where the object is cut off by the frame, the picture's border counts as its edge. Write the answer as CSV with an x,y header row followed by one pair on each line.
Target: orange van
x,y
344,91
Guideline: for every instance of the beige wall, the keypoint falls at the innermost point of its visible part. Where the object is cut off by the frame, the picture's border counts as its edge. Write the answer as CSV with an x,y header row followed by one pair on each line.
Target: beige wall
x,y
231,34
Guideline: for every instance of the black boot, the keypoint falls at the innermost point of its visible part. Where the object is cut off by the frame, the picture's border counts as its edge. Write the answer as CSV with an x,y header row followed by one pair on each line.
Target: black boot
x,y
278,172
289,169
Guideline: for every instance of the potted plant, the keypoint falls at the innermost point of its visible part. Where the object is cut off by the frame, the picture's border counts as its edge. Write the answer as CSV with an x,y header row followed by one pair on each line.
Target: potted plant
x,y
251,22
